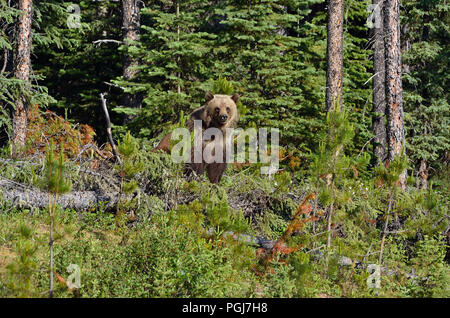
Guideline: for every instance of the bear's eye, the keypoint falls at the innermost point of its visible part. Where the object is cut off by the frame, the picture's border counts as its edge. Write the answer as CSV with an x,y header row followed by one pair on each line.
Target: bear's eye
x,y
217,109
228,109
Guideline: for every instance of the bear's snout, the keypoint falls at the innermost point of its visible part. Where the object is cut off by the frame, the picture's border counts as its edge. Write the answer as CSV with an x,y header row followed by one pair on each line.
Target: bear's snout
x,y
223,118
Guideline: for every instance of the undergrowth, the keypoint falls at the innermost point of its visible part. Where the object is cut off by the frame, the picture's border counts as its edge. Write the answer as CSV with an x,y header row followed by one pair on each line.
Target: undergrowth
x,y
249,236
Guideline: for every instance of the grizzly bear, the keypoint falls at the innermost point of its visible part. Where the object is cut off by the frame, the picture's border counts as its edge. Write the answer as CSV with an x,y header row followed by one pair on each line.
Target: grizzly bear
x,y
220,112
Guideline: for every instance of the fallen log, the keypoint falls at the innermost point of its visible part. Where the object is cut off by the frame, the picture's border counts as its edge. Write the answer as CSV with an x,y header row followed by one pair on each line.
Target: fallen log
x,y
25,196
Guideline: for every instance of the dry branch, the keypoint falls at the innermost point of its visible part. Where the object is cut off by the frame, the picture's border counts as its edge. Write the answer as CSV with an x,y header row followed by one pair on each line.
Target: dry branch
x,y
108,129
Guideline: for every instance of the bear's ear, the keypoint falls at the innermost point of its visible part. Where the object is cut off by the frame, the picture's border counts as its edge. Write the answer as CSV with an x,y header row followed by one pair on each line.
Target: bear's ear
x,y
235,97
209,96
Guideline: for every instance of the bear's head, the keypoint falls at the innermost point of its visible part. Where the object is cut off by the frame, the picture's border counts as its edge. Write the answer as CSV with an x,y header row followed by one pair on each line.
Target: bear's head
x,y
220,110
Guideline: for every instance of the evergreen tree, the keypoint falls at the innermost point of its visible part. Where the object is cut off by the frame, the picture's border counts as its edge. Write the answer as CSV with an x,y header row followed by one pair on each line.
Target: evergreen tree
x,y
174,53
357,73
331,163
131,27
55,183
427,55
78,60
20,83
263,47
7,83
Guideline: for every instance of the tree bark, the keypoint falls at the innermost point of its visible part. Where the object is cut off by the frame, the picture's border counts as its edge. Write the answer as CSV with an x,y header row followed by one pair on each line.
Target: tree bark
x,y
131,25
393,82
378,87
423,175
335,57
22,65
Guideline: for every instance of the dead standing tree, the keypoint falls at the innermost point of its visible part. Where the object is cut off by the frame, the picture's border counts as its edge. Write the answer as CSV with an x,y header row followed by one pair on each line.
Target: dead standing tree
x,y
22,65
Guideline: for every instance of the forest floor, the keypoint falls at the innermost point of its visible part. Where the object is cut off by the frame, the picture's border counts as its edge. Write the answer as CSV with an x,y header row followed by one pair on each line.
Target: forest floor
x,y
175,237
142,229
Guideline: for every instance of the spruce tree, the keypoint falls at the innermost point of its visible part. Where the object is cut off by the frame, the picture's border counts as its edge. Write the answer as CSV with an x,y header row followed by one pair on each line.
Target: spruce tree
x,y
426,85
131,25
7,83
79,60
260,46
357,73
175,63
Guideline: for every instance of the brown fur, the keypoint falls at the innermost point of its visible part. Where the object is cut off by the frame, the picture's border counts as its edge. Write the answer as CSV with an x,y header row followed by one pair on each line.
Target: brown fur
x,y
164,144
216,106
220,111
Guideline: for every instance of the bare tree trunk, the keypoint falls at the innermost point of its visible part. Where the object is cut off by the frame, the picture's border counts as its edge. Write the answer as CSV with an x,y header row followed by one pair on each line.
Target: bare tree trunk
x,y
394,100
378,87
22,65
131,25
335,57
423,175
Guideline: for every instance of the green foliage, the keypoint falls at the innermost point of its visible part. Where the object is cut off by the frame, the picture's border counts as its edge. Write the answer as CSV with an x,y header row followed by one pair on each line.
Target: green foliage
x,y
12,88
159,174
54,180
162,271
19,278
181,238
331,165
432,274
271,52
175,53
390,175
223,86
330,161
74,68
357,89
426,95
131,165
7,15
